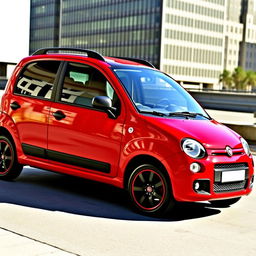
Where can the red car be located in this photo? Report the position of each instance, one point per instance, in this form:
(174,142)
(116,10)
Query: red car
(122,122)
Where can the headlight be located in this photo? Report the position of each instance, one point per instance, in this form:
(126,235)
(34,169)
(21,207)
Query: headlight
(245,146)
(193,148)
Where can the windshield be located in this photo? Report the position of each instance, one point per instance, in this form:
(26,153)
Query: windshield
(156,93)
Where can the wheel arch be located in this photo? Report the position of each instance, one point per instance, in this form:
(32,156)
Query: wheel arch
(5,132)
(143,159)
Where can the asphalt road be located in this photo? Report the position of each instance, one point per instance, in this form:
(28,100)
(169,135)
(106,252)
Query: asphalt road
(91,219)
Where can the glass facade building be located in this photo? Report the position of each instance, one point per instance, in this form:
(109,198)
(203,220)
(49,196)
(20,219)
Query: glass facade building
(191,40)
(130,28)
(44,24)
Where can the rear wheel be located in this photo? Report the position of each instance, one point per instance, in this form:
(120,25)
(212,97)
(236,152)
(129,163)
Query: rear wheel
(9,166)
(226,202)
(150,191)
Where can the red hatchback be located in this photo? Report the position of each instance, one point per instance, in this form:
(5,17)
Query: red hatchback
(123,122)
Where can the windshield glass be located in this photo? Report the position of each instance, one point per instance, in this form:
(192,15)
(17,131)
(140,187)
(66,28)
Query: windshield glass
(156,93)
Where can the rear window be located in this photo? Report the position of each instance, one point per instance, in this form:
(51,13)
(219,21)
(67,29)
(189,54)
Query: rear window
(37,79)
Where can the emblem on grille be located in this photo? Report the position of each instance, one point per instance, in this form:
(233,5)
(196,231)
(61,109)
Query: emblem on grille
(229,151)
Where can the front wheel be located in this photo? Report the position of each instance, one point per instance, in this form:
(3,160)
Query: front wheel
(9,166)
(150,191)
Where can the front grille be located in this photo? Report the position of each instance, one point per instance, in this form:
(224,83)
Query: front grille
(229,187)
(219,187)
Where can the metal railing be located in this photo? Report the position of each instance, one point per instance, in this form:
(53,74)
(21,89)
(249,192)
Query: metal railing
(226,100)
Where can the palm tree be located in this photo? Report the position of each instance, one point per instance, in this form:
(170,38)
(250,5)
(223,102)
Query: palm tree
(226,79)
(251,78)
(239,78)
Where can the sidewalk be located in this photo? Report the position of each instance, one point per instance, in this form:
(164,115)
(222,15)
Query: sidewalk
(13,244)
(253,149)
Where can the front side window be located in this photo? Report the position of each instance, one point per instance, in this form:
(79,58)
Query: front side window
(37,79)
(154,92)
(82,83)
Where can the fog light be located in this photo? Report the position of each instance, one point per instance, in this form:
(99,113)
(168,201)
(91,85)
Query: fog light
(196,186)
(202,186)
(195,167)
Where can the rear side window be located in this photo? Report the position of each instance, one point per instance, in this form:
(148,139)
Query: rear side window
(37,79)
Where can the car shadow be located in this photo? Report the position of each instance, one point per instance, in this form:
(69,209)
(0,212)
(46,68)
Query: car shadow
(52,191)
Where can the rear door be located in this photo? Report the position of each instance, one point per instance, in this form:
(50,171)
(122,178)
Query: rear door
(30,105)
(78,134)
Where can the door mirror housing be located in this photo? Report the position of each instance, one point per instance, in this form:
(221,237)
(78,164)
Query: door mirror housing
(102,102)
(105,103)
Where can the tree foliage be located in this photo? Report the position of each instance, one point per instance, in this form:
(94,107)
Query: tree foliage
(238,80)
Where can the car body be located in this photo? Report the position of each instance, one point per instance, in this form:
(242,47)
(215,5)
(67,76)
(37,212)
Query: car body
(121,122)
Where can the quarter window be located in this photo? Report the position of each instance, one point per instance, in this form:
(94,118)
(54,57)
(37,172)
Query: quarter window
(37,79)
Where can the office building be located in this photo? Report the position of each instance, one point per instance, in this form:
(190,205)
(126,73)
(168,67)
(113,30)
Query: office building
(44,24)
(112,27)
(191,40)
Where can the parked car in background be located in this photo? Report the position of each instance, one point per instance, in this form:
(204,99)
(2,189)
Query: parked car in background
(119,121)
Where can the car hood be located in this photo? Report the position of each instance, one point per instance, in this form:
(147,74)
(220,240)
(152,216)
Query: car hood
(210,133)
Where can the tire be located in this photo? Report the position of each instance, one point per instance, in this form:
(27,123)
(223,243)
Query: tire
(150,191)
(10,169)
(225,203)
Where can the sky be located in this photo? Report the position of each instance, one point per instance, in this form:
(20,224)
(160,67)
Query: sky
(14,30)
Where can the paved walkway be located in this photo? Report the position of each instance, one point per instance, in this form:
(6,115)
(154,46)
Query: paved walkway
(13,244)
(230,117)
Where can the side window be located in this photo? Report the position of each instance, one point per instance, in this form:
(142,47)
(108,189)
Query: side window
(82,83)
(37,79)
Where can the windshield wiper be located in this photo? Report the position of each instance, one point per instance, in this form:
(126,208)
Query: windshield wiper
(187,114)
(156,113)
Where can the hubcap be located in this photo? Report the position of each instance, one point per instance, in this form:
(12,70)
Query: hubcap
(6,158)
(148,189)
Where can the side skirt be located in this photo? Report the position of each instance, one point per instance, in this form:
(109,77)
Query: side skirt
(66,158)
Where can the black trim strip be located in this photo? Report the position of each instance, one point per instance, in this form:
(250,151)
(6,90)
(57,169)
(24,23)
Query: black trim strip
(66,158)
(33,150)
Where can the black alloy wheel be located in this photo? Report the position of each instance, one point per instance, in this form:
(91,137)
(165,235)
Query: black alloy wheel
(9,166)
(150,191)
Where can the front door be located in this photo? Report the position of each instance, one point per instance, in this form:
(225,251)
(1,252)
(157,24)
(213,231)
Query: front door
(78,134)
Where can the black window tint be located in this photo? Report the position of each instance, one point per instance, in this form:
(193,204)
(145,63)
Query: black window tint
(37,79)
(82,83)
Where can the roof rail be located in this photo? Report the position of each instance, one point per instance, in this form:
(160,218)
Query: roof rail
(90,53)
(144,62)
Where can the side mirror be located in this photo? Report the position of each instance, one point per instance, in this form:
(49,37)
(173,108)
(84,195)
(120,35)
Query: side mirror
(104,103)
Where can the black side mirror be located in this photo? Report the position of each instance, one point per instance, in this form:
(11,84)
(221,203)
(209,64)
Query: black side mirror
(104,103)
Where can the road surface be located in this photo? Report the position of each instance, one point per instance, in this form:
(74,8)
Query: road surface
(79,217)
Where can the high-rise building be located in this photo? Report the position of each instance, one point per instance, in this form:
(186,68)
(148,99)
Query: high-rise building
(233,34)
(191,40)
(44,24)
(129,28)
(247,58)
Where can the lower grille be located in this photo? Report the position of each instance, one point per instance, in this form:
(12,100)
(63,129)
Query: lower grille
(229,187)
(219,169)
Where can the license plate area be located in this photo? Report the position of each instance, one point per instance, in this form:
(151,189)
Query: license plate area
(232,176)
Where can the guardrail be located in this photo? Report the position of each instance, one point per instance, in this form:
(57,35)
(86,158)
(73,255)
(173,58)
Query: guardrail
(222,100)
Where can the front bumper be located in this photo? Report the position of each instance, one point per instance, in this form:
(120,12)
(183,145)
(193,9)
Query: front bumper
(209,183)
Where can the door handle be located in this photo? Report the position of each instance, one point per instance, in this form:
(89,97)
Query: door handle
(14,105)
(58,115)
